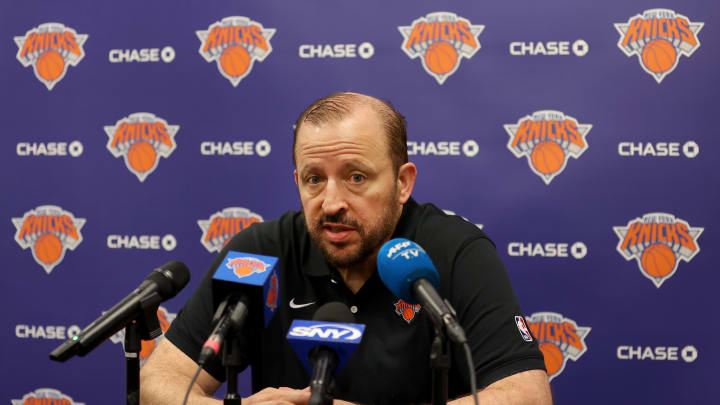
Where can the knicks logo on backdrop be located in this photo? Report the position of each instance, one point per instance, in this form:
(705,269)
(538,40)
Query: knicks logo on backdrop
(560,339)
(48,231)
(223,225)
(440,40)
(658,37)
(165,318)
(235,43)
(141,139)
(45,396)
(50,48)
(658,241)
(547,139)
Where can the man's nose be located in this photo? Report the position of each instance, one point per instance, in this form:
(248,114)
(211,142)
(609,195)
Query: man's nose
(334,201)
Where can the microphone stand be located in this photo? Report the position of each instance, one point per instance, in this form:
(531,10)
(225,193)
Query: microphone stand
(232,361)
(440,363)
(146,327)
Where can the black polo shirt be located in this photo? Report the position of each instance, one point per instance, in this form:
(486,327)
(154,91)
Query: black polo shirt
(392,363)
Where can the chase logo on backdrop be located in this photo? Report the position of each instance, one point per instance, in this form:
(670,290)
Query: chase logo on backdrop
(49,231)
(43,396)
(50,48)
(165,318)
(235,43)
(441,40)
(560,339)
(658,37)
(547,139)
(140,139)
(658,241)
(223,225)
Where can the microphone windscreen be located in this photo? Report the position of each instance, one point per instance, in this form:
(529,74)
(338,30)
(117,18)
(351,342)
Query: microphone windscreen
(334,312)
(170,278)
(400,263)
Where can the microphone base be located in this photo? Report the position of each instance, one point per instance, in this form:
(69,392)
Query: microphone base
(440,363)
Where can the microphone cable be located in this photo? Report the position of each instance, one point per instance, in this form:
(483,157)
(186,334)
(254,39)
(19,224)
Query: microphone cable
(192,382)
(471,369)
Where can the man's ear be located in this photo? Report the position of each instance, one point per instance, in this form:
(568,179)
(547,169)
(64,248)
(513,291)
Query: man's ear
(295,174)
(406,181)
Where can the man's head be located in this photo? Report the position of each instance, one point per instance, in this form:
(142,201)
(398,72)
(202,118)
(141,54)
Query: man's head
(352,173)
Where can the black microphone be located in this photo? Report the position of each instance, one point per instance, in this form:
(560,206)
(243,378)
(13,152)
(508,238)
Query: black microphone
(230,316)
(324,359)
(162,284)
(407,271)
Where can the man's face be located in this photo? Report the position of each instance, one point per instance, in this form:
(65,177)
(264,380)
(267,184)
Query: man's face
(348,189)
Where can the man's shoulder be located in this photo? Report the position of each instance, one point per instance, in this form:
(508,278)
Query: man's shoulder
(271,234)
(443,228)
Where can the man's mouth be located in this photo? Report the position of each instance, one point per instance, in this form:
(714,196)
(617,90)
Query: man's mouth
(337,233)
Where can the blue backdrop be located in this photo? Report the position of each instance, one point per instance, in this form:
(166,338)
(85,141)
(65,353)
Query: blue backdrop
(579,135)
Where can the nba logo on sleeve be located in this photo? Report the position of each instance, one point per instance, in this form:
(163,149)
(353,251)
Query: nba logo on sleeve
(522,327)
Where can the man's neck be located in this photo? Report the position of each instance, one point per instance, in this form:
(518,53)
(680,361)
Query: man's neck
(356,276)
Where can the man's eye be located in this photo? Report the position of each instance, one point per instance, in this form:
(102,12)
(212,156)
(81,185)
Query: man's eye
(357,178)
(313,180)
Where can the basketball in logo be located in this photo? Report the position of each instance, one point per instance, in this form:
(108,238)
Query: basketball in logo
(235,60)
(658,55)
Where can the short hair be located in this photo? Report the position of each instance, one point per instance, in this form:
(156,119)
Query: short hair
(337,106)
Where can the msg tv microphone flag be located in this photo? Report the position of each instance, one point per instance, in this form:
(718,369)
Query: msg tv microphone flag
(250,275)
(340,337)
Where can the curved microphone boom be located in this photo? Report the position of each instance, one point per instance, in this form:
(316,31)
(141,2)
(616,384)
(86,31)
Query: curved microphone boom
(162,284)
(407,271)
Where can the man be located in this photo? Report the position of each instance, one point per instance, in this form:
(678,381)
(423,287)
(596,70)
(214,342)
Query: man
(355,183)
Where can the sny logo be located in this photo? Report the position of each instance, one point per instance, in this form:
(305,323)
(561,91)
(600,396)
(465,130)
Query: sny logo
(223,225)
(165,317)
(45,396)
(406,311)
(140,138)
(440,40)
(658,37)
(49,230)
(245,266)
(658,241)
(559,338)
(235,43)
(50,48)
(548,139)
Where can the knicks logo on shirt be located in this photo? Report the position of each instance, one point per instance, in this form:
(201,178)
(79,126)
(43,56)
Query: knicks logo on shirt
(223,225)
(547,139)
(406,311)
(658,241)
(440,40)
(50,48)
(560,339)
(165,318)
(45,396)
(658,37)
(141,139)
(49,231)
(235,43)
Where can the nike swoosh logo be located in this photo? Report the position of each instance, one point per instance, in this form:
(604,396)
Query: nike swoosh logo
(296,306)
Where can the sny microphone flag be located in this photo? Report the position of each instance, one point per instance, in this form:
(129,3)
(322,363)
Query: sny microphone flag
(343,338)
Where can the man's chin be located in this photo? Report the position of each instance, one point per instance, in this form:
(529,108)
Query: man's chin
(340,255)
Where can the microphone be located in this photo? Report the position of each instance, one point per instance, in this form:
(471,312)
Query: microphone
(230,317)
(241,280)
(407,271)
(324,345)
(162,284)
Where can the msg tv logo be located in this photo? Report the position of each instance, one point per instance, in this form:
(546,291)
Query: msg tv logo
(560,339)
(50,48)
(49,231)
(658,37)
(440,40)
(223,225)
(658,241)
(547,139)
(235,43)
(140,139)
